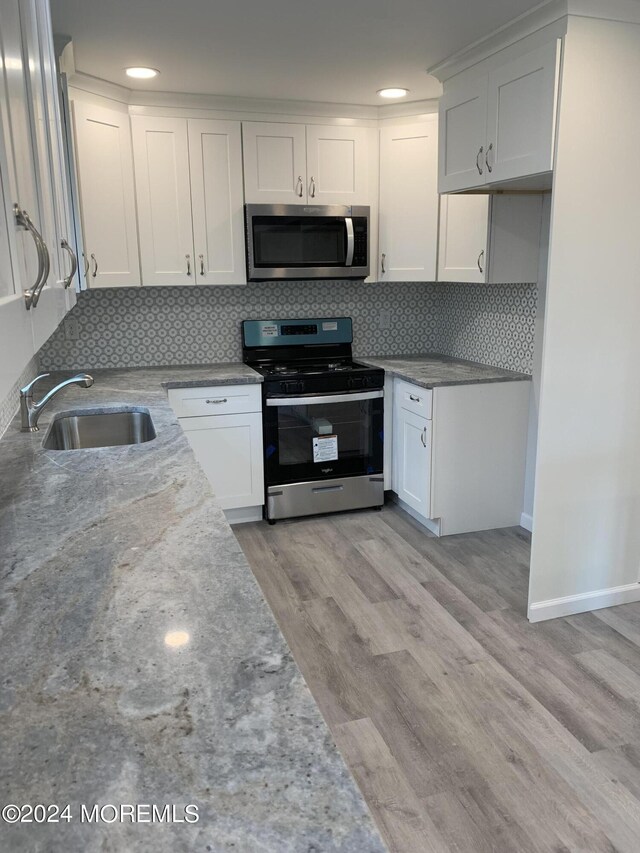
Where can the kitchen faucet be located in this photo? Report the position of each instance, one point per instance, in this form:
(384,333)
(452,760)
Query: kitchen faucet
(30,411)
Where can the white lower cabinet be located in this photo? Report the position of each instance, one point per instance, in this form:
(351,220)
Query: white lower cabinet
(459,454)
(228,445)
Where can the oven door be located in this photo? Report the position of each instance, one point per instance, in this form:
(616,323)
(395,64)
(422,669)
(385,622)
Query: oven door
(323,436)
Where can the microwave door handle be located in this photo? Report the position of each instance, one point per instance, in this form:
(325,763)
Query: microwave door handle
(313,400)
(350,241)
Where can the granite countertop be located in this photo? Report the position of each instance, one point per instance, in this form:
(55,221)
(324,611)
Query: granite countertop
(433,371)
(140,662)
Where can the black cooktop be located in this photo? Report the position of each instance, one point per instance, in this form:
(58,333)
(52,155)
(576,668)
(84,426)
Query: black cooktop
(293,368)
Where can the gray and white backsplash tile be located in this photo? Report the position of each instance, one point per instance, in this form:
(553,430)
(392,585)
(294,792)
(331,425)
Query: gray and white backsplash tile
(9,406)
(139,327)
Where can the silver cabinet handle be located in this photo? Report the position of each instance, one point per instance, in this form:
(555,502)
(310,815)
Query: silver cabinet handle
(312,187)
(383,258)
(415,399)
(299,186)
(486,159)
(481,258)
(24,221)
(479,160)
(86,265)
(188,260)
(220,400)
(74,263)
(348,261)
(201,257)
(423,437)
(94,271)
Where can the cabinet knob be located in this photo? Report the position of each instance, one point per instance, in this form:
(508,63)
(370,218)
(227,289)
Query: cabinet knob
(312,187)
(423,437)
(481,258)
(201,257)
(188,260)
(220,400)
(383,258)
(299,186)
(479,160)
(94,271)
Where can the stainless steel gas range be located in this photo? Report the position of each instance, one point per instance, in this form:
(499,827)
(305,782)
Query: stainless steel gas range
(323,416)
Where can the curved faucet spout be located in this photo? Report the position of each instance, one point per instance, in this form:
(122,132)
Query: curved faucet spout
(30,411)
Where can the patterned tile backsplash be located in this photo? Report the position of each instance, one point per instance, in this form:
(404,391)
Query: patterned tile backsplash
(137,327)
(9,406)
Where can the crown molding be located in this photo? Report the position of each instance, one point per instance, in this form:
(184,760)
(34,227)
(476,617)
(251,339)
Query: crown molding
(543,15)
(141,102)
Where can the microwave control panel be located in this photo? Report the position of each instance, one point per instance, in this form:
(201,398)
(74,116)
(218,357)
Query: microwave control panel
(360,248)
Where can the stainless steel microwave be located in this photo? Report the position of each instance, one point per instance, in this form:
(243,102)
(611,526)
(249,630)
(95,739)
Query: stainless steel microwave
(291,241)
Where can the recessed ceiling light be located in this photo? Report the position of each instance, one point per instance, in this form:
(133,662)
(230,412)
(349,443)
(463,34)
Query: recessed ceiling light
(393,93)
(141,73)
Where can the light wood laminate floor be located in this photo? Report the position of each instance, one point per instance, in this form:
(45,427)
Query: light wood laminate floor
(467,728)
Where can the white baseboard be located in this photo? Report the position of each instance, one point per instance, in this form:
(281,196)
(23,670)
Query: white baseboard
(243,514)
(526,521)
(595,600)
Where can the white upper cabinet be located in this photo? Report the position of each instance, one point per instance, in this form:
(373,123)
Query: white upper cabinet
(499,125)
(161,157)
(521,115)
(338,164)
(463,125)
(490,239)
(408,202)
(215,161)
(189,191)
(107,195)
(275,162)
(464,224)
(298,164)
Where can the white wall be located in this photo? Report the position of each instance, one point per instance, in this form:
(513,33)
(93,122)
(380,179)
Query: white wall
(587,501)
(536,370)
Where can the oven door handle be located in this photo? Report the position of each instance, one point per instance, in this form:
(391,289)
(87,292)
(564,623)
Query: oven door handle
(314,399)
(350,241)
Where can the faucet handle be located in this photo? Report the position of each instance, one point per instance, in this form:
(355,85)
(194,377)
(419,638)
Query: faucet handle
(27,391)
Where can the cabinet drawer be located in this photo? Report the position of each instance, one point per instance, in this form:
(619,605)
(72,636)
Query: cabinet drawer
(413,398)
(215,400)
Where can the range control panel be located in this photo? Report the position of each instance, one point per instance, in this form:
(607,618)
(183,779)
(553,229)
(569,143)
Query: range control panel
(278,333)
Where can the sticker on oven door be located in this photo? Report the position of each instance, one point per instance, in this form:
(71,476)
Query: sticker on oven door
(270,331)
(325,448)
(330,327)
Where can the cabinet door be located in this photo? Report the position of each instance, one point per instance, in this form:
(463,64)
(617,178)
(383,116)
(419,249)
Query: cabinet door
(338,164)
(107,196)
(462,132)
(215,162)
(514,241)
(163,187)
(521,115)
(464,223)
(20,184)
(408,202)
(229,450)
(275,169)
(412,462)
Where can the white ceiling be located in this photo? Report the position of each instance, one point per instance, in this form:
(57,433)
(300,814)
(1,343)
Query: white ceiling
(339,51)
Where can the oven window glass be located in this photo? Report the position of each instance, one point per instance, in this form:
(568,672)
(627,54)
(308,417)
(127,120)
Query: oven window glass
(325,433)
(299,241)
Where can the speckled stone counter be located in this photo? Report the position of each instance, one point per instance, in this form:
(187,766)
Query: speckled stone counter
(140,663)
(432,371)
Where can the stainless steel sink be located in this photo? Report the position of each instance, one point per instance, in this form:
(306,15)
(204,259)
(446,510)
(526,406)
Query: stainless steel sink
(110,428)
